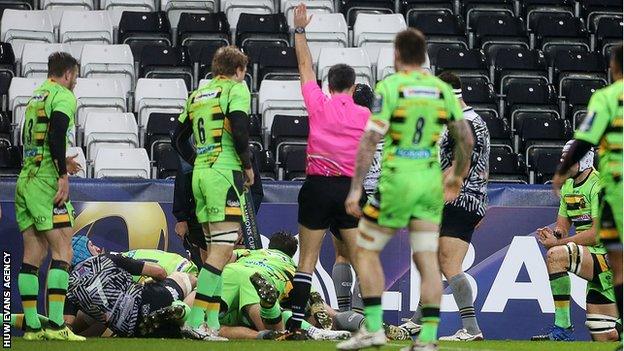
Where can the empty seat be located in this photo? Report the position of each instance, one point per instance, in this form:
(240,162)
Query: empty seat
(385,63)
(16,5)
(256,31)
(122,163)
(20,92)
(464,62)
(590,9)
(437,24)
(498,127)
(266,163)
(233,9)
(478,92)
(517,62)
(499,28)
(67,4)
(98,94)
(355,57)
(351,8)
(109,130)
(373,32)
(158,95)
(279,97)
(325,31)
(535,14)
(542,128)
(108,61)
(5,128)
(80,158)
(314,8)
(576,94)
(277,63)
(19,27)
(293,162)
(35,58)
(559,29)
(568,65)
(542,162)
(205,59)
(287,130)
(506,166)
(139,29)
(81,27)
(166,62)
(197,30)
(608,32)
(175,8)
(167,161)
(128,5)
(475,9)
(410,7)
(10,160)
(159,128)
(7,67)
(527,94)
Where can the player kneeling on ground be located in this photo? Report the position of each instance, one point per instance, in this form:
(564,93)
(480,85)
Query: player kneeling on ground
(581,254)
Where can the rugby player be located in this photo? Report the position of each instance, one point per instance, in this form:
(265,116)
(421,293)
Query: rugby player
(410,111)
(603,126)
(44,214)
(216,114)
(582,254)
(336,125)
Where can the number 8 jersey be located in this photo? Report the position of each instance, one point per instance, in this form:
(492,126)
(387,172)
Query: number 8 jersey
(206,108)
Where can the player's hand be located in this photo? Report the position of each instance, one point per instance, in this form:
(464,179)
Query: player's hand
(62,194)
(301,18)
(352,204)
(452,186)
(548,239)
(557,183)
(249,178)
(181,229)
(73,166)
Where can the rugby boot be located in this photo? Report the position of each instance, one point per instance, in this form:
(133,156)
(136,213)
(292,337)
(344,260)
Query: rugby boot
(317,309)
(556,334)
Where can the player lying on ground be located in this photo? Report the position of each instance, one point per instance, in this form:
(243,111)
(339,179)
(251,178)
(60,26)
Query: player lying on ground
(582,254)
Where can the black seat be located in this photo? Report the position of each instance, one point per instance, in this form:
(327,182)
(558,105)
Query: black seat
(463,62)
(294,161)
(256,31)
(567,65)
(166,62)
(506,166)
(559,29)
(10,160)
(542,128)
(166,160)
(205,59)
(536,15)
(592,9)
(535,8)
(266,163)
(498,127)
(288,130)
(198,29)
(159,127)
(577,92)
(527,94)
(434,23)
(7,67)
(478,93)
(277,63)
(542,162)
(473,9)
(498,28)
(5,128)
(139,29)
(517,62)
(410,7)
(608,32)
(351,8)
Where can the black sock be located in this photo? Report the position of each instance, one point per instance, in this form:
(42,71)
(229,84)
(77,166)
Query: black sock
(300,296)
(618,298)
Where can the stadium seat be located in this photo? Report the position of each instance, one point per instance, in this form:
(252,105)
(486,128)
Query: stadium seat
(257,31)
(166,160)
(373,32)
(462,62)
(10,160)
(578,118)
(80,158)
(478,93)
(16,5)
(314,7)
(109,130)
(292,162)
(608,32)
(205,59)
(20,26)
(121,163)
(475,9)
(326,31)
(34,61)
(276,63)
(517,62)
(233,9)
(7,69)
(81,27)
(498,29)
(158,130)
(575,93)
(542,162)
(266,164)
(288,130)
(20,92)
(5,129)
(175,9)
(506,166)
(411,7)
(98,94)
(128,5)
(591,10)
(351,8)
(438,26)
(578,65)
(139,29)
(558,29)
(67,4)
(166,62)
(355,57)
(385,63)
(498,127)
(279,97)
(108,61)
(158,95)
(539,128)
(535,9)
(198,30)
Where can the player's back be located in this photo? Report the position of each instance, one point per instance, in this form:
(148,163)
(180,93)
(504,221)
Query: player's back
(274,265)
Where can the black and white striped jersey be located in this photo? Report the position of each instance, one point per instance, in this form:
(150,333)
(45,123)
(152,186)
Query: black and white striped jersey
(374,172)
(102,287)
(473,194)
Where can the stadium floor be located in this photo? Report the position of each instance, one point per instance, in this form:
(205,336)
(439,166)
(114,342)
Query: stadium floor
(168,345)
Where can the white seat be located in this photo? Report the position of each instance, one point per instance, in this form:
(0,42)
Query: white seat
(158,95)
(35,58)
(82,161)
(385,63)
(314,7)
(174,8)
(128,5)
(84,27)
(234,8)
(108,61)
(98,94)
(280,97)
(372,31)
(19,27)
(67,4)
(326,31)
(20,92)
(354,57)
(110,130)
(121,163)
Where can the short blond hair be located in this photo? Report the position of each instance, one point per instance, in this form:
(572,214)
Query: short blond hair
(227,60)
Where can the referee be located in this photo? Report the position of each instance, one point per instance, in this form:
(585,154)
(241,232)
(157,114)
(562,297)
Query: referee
(336,126)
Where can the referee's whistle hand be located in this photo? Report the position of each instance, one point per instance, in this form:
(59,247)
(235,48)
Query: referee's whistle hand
(352,204)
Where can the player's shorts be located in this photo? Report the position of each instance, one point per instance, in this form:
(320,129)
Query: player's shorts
(34,205)
(218,195)
(600,289)
(157,295)
(610,232)
(402,197)
(237,292)
(322,203)
(458,223)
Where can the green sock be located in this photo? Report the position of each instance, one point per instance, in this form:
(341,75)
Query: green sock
(212,314)
(560,288)
(187,309)
(373,313)
(17,321)
(207,282)
(430,320)
(58,280)
(286,316)
(28,285)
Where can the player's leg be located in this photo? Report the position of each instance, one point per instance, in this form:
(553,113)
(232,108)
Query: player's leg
(350,240)
(341,275)
(35,250)
(611,236)
(602,317)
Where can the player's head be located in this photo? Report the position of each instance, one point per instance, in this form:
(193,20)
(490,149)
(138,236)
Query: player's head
(616,62)
(83,249)
(284,242)
(454,81)
(587,162)
(63,69)
(410,49)
(229,61)
(341,79)
(363,95)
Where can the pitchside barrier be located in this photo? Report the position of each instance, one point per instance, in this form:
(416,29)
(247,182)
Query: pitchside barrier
(505,264)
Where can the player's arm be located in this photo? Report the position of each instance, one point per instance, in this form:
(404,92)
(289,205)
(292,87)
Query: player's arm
(460,132)
(180,139)
(154,270)
(304,57)
(586,237)
(238,108)
(562,227)
(137,268)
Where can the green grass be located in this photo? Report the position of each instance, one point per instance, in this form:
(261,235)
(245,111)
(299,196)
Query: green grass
(189,345)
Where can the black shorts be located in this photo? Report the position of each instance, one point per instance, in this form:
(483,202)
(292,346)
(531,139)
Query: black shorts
(458,223)
(321,203)
(158,295)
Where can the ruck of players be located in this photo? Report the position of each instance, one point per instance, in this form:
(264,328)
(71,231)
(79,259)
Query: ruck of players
(409,155)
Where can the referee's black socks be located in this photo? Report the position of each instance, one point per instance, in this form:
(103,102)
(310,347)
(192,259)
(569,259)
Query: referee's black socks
(302,283)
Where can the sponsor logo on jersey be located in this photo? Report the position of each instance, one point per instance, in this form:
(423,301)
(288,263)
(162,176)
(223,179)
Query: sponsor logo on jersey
(233,203)
(413,154)
(582,218)
(211,94)
(205,149)
(421,92)
(59,211)
(31,152)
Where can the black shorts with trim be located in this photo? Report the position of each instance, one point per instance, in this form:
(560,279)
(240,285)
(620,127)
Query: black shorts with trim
(458,223)
(322,203)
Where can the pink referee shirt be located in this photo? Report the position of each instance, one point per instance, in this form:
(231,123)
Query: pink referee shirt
(336,126)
